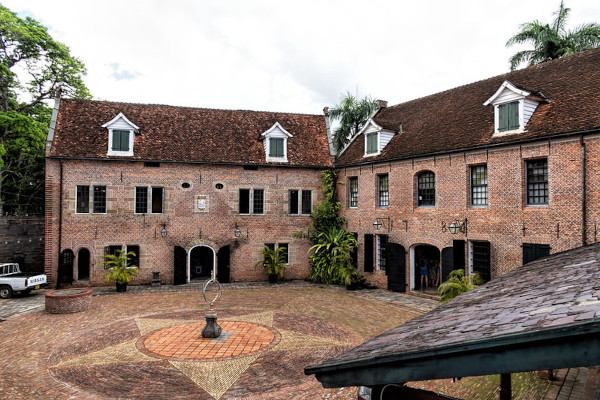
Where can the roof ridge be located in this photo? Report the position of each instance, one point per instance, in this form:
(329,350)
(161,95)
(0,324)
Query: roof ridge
(188,107)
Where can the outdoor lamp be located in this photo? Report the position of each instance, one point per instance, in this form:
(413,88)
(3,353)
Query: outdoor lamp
(163,231)
(377,224)
(453,228)
(237,231)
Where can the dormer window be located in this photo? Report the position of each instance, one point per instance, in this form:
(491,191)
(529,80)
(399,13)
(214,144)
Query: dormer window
(376,138)
(276,146)
(121,133)
(508,116)
(372,141)
(275,143)
(513,107)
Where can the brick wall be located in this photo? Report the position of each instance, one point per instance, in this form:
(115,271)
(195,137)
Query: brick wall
(22,241)
(186,224)
(506,222)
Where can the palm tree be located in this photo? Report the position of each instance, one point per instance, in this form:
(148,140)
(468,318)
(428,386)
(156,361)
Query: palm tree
(353,114)
(553,41)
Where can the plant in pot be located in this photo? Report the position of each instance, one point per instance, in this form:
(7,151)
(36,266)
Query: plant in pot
(119,269)
(274,262)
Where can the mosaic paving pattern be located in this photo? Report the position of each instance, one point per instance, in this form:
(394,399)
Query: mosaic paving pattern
(167,357)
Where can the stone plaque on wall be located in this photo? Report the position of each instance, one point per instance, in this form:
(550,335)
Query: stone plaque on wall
(201,203)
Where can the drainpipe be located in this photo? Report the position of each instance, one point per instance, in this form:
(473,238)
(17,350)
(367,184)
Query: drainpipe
(60,217)
(583,195)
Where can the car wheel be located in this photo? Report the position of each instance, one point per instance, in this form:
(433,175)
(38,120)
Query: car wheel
(5,292)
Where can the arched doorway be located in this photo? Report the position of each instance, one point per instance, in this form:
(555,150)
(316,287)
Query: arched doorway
(201,262)
(426,258)
(83,265)
(65,267)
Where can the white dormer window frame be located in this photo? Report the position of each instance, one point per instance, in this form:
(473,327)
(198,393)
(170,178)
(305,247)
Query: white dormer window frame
(377,151)
(120,124)
(276,132)
(506,94)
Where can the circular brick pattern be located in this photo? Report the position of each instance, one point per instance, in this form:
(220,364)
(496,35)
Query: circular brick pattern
(185,341)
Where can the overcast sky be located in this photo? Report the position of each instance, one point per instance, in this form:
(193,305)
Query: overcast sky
(287,56)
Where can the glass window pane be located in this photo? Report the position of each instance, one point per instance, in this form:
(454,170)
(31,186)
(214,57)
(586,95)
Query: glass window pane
(426,189)
(353,195)
(479,185)
(372,143)
(141,200)
(537,181)
(99,205)
(306,201)
(258,203)
(383,198)
(83,199)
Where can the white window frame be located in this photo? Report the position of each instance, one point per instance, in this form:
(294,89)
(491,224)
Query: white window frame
(120,123)
(276,132)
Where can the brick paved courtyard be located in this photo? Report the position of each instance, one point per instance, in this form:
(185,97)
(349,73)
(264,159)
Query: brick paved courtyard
(146,344)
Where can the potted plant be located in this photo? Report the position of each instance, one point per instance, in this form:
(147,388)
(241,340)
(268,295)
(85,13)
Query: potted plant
(274,263)
(119,269)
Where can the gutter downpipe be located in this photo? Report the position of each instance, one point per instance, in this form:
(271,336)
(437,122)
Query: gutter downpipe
(583,194)
(60,217)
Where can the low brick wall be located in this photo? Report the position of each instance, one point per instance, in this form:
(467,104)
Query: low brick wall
(67,301)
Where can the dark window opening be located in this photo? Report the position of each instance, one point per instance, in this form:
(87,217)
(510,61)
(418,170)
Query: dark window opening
(99,199)
(157,200)
(151,164)
(479,195)
(141,200)
(83,199)
(134,259)
(250,168)
(219,186)
(285,254)
(353,191)
(426,189)
(244,206)
(306,202)
(533,251)
(537,182)
(293,203)
(258,203)
(185,185)
(481,259)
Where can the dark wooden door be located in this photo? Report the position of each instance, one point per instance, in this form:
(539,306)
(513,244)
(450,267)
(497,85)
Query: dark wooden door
(83,265)
(223,264)
(65,267)
(396,267)
(368,250)
(459,254)
(179,266)
(447,262)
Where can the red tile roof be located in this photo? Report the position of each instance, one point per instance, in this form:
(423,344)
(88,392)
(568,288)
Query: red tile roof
(169,133)
(457,119)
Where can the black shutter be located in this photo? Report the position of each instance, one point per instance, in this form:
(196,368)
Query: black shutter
(368,253)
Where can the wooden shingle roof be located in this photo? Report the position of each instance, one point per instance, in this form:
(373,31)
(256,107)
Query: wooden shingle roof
(169,133)
(456,119)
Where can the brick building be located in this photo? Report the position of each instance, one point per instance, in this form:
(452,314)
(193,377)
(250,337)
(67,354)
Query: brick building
(486,176)
(186,189)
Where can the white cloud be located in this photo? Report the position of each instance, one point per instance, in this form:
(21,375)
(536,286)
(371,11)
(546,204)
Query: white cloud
(284,56)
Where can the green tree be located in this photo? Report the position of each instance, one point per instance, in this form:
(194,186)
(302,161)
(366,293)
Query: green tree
(552,41)
(32,67)
(458,283)
(352,114)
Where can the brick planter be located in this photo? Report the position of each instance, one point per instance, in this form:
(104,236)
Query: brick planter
(65,301)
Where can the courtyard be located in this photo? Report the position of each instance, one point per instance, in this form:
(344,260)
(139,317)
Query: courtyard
(146,344)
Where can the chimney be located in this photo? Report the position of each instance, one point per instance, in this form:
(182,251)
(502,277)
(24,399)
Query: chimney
(381,104)
(326,111)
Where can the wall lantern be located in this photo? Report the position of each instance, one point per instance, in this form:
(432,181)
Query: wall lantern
(163,231)
(237,231)
(455,227)
(381,222)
